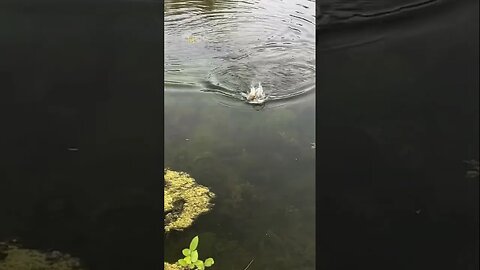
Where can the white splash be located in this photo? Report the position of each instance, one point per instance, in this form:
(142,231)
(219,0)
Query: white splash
(256,95)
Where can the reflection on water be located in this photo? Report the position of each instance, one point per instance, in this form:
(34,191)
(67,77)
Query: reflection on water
(225,46)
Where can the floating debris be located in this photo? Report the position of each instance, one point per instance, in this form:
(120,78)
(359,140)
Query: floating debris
(192,39)
(248,265)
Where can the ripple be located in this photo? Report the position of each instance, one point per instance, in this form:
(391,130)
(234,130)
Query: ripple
(224,47)
(284,78)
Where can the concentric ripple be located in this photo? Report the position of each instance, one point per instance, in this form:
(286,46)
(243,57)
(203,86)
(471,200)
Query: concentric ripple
(225,46)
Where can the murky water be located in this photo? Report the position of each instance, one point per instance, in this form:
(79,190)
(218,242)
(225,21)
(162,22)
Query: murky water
(258,160)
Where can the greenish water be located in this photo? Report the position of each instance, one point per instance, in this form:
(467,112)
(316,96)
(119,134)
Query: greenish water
(261,166)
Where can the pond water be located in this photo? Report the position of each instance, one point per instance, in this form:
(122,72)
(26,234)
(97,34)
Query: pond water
(396,127)
(225,46)
(397,123)
(258,160)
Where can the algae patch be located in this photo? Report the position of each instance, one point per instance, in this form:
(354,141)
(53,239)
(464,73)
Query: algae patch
(168,266)
(13,257)
(184,200)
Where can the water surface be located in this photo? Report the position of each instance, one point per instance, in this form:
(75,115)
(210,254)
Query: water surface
(225,46)
(397,116)
(259,161)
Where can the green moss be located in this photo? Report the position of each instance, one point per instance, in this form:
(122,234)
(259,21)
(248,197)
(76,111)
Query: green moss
(184,200)
(16,258)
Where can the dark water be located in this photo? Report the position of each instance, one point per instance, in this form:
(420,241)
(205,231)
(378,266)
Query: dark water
(397,114)
(342,12)
(81,134)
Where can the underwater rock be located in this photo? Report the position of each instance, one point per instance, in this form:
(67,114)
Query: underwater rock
(13,257)
(184,200)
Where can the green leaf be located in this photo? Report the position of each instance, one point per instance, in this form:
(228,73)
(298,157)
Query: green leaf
(209,262)
(191,266)
(182,262)
(200,265)
(186,252)
(194,243)
(194,256)
(188,260)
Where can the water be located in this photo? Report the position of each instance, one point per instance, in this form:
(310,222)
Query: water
(261,168)
(340,12)
(225,46)
(81,135)
(258,160)
(397,115)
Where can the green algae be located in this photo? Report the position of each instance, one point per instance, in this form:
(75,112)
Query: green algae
(184,200)
(168,266)
(17,258)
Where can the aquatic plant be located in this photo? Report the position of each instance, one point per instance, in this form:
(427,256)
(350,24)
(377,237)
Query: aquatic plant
(14,257)
(169,266)
(184,200)
(191,260)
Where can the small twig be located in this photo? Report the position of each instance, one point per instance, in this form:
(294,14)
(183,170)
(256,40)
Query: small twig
(249,264)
